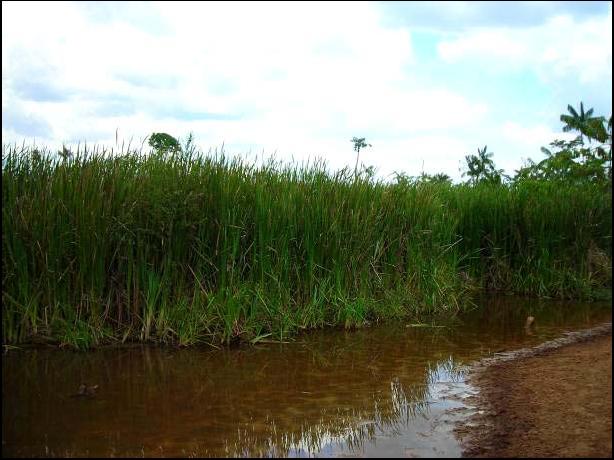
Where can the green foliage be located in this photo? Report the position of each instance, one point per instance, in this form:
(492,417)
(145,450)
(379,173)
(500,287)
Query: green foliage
(534,236)
(65,153)
(585,123)
(191,249)
(189,148)
(570,162)
(359,143)
(439,178)
(211,250)
(164,143)
(481,168)
(574,161)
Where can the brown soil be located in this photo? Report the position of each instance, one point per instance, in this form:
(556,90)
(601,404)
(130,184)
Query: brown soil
(557,403)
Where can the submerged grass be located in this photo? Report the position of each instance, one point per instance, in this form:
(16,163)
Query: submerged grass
(192,249)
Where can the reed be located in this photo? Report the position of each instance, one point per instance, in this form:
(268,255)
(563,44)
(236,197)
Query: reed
(193,248)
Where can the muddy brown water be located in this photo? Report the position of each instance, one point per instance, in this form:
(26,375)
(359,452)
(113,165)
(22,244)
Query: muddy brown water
(385,391)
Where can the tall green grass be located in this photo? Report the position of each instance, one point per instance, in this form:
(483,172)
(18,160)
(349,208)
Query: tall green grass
(205,249)
(537,238)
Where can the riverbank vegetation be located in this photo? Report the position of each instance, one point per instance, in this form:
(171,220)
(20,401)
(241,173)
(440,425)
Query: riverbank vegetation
(180,247)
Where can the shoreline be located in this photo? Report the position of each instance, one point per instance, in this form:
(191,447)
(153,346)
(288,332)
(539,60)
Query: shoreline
(551,400)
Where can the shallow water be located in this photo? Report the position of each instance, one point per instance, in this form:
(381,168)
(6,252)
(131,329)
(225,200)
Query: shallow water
(389,390)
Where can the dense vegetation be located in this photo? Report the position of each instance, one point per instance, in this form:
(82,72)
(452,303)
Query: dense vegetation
(180,247)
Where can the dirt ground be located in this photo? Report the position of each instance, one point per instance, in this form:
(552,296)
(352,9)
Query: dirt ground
(555,404)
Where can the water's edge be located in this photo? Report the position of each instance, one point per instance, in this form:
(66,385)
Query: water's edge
(568,338)
(469,425)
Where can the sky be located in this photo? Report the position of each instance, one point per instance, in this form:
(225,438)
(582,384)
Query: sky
(426,83)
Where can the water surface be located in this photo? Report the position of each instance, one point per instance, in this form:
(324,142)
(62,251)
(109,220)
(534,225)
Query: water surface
(389,390)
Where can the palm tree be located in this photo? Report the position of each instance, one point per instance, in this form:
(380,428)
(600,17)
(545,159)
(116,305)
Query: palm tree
(594,128)
(359,143)
(584,122)
(482,167)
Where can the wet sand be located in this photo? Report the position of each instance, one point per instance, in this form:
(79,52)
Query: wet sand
(552,401)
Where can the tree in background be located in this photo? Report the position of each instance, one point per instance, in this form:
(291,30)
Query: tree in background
(164,143)
(439,178)
(359,143)
(575,161)
(481,168)
(577,121)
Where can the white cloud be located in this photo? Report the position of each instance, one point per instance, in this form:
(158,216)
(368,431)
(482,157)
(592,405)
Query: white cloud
(298,78)
(430,154)
(531,135)
(560,47)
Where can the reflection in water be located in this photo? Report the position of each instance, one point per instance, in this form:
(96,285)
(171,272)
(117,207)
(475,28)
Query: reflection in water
(370,392)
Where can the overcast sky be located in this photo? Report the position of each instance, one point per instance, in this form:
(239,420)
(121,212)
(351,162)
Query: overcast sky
(426,83)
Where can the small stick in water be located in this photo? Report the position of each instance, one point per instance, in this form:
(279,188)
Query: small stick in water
(528,325)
